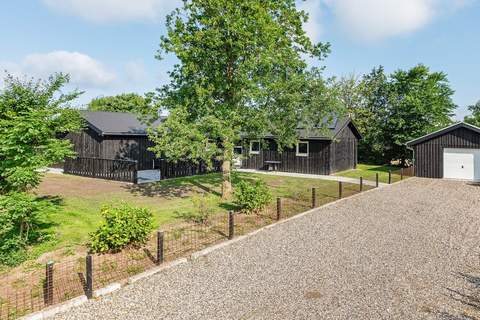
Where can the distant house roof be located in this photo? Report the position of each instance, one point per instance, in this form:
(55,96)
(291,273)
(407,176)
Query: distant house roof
(443,131)
(116,123)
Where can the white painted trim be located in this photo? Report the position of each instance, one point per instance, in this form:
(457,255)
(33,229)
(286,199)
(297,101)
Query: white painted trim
(259,147)
(298,154)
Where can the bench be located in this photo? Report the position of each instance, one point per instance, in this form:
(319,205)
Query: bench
(272,165)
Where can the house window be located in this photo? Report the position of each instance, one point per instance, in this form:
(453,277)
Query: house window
(302,149)
(254,147)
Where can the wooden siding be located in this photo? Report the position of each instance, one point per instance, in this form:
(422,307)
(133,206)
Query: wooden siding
(343,151)
(429,154)
(317,161)
(88,144)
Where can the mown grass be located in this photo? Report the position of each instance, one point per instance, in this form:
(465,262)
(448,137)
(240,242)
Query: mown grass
(368,172)
(81,199)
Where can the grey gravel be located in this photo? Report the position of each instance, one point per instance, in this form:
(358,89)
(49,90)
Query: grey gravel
(408,251)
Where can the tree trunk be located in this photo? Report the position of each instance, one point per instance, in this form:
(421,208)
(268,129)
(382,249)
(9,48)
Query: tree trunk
(226,180)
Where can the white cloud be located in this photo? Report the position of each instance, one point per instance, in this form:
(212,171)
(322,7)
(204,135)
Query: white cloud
(135,72)
(114,10)
(314,25)
(84,71)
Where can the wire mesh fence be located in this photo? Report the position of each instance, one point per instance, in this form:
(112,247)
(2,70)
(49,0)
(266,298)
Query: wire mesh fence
(26,292)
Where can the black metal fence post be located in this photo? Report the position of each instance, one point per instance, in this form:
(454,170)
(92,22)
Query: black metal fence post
(48,299)
(160,248)
(231,225)
(361,184)
(279,208)
(376,180)
(340,189)
(314,197)
(89,276)
(401,174)
(389,176)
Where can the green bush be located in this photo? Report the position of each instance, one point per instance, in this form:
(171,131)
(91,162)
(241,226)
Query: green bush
(22,217)
(124,226)
(203,209)
(252,197)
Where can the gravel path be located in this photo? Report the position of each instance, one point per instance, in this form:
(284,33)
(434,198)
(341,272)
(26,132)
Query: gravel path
(409,251)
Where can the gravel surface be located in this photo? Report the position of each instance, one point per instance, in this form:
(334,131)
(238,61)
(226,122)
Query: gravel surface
(408,251)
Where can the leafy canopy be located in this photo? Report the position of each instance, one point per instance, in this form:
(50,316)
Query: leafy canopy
(33,115)
(391,110)
(241,73)
(126,102)
(474,118)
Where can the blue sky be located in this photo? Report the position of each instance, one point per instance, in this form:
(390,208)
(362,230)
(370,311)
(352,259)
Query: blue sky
(108,46)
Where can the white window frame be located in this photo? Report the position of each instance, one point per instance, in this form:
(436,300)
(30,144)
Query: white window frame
(298,154)
(259,147)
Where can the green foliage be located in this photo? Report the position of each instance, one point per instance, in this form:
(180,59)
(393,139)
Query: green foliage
(474,118)
(21,219)
(203,208)
(241,72)
(126,102)
(33,115)
(124,225)
(252,196)
(391,110)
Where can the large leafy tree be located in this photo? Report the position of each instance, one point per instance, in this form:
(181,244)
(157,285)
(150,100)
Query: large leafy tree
(126,102)
(240,74)
(33,116)
(474,118)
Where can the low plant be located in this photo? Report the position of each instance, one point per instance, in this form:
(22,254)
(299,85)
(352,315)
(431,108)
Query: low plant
(124,226)
(22,218)
(203,209)
(252,196)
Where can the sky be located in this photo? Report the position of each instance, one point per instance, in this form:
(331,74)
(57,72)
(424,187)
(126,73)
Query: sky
(109,46)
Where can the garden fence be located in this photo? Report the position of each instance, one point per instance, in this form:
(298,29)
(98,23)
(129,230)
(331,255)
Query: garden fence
(24,291)
(109,169)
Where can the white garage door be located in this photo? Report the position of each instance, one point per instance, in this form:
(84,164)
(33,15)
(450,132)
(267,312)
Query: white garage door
(461,164)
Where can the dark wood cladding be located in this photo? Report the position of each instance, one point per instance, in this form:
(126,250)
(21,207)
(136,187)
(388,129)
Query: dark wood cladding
(315,163)
(429,154)
(343,151)
(119,170)
(88,144)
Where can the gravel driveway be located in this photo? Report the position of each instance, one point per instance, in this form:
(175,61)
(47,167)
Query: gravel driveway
(408,251)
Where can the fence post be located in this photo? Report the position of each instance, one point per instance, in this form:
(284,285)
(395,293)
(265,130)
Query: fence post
(160,238)
(314,197)
(135,173)
(389,176)
(49,283)
(376,180)
(361,184)
(340,187)
(89,276)
(279,208)
(401,174)
(231,225)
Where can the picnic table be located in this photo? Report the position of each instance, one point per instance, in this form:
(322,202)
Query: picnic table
(272,165)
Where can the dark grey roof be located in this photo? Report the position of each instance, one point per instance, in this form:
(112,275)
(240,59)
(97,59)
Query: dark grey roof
(116,123)
(443,131)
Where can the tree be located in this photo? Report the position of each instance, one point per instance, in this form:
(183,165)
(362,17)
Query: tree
(33,115)
(240,75)
(474,118)
(420,103)
(126,102)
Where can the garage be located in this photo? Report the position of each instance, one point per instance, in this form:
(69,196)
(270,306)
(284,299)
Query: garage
(449,153)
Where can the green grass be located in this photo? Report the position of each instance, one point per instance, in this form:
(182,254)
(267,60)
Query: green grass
(80,200)
(368,172)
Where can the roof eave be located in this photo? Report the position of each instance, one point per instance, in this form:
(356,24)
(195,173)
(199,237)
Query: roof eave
(434,134)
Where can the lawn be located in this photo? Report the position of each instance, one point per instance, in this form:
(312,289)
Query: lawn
(368,172)
(82,198)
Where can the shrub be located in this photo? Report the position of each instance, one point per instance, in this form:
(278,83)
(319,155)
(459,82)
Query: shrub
(252,197)
(203,209)
(124,226)
(22,217)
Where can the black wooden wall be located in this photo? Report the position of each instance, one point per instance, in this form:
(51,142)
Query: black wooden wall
(89,144)
(343,151)
(429,154)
